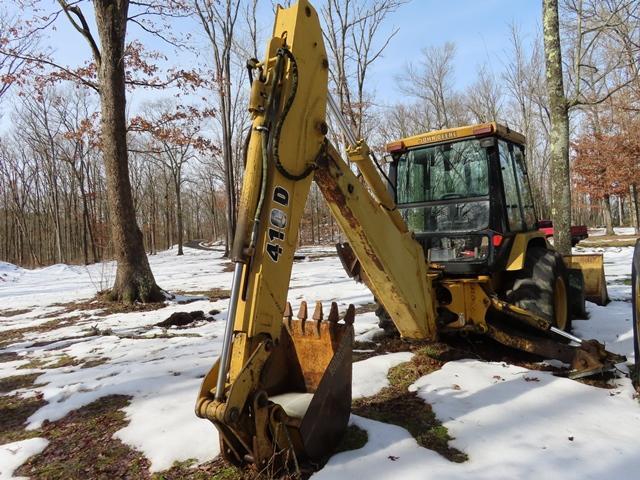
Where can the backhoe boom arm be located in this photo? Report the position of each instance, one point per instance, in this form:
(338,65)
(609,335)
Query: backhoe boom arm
(393,261)
(266,362)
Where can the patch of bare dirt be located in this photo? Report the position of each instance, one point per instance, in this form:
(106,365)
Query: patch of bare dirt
(14,412)
(366,308)
(183,319)
(397,406)
(213,294)
(8,384)
(7,337)
(12,313)
(9,357)
(609,241)
(105,307)
(81,446)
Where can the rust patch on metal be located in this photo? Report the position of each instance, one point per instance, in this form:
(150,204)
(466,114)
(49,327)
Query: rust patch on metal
(333,194)
(589,358)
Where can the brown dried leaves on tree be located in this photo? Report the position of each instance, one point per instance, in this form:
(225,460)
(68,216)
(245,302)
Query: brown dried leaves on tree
(107,74)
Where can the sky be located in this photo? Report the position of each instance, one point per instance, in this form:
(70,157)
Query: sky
(480,30)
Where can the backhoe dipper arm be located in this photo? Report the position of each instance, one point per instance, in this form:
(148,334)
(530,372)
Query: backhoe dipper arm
(287,104)
(260,358)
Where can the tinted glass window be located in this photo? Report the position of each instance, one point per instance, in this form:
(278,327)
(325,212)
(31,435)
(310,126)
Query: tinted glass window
(442,172)
(525,189)
(512,201)
(448,217)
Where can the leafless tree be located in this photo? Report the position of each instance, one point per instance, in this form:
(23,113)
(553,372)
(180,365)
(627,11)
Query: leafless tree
(218,20)
(11,65)
(528,110)
(484,97)
(591,71)
(431,81)
(355,41)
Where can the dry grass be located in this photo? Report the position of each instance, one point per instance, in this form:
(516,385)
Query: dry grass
(397,406)
(8,384)
(101,306)
(12,313)
(213,294)
(7,337)
(14,412)
(81,446)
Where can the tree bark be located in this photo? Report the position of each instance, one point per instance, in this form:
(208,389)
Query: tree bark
(608,215)
(225,112)
(559,135)
(620,211)
(179,222)
(134,279)
(635,214)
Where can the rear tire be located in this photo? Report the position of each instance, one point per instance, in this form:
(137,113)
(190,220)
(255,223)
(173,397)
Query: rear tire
(541,287)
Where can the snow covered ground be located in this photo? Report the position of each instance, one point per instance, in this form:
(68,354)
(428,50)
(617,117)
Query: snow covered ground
(512,423)
(597,232)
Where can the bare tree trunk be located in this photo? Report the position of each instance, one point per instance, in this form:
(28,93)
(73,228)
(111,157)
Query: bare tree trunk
(620,211)
(608,216)
(134,279)
(152,242)
(85,242)
(179,223)
(228,167)
(635,213)
(559,141)
(218,20)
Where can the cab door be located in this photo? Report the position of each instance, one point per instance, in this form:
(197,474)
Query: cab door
(518,200)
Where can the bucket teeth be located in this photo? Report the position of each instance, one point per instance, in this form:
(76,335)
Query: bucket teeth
(288,311)
(288,315)
(317,312)
(334,316)
(350,315)
(302,312)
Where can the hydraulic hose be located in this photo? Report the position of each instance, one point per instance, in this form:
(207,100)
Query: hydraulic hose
(285,111)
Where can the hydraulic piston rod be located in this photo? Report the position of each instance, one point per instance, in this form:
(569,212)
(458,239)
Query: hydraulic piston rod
(337,115)
(359,153)
(566,335)
(228,331)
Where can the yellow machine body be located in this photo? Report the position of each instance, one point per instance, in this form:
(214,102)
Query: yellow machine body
(455,134)
(280,393)
(286,390)
(592,268)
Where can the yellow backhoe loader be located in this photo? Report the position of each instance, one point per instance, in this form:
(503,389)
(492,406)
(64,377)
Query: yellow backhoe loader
(449,245)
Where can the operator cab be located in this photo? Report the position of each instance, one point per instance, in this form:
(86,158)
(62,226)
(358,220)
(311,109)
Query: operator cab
(465,193)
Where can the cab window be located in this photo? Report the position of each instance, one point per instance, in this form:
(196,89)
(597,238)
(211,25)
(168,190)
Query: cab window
(511,197)
(524,186)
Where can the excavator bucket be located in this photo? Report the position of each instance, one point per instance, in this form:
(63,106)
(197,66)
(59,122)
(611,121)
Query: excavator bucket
(309,376)
(591,268)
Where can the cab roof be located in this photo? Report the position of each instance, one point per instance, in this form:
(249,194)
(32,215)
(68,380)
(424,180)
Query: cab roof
(453,134)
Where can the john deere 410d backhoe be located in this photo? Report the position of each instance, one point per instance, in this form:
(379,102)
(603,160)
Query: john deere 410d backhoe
(450,245)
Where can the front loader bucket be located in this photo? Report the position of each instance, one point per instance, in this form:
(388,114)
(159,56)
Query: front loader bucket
(310,381)
(592,268)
